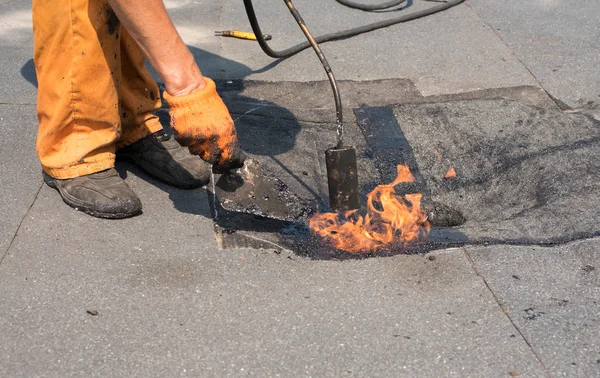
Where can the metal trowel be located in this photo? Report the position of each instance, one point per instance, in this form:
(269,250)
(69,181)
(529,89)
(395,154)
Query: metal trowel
(252,189)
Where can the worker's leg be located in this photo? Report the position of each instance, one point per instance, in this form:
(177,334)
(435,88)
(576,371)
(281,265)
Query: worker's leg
(76,54)
(158,155)
(139,94)
(76,51)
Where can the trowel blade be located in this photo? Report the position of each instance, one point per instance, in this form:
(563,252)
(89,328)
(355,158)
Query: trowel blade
(253,190)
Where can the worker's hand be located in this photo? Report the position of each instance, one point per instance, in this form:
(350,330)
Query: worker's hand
(202,123)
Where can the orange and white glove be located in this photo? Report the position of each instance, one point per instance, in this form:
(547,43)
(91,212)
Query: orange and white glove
(202,123)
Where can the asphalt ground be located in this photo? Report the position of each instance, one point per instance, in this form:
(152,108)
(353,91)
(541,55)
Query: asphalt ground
(158,295)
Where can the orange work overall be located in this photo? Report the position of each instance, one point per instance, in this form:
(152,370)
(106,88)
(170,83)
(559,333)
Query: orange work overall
(94,93)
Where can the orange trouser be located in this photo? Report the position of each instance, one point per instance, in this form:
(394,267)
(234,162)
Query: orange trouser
(94,93)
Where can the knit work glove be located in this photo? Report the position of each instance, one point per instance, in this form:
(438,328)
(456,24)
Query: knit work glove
(202,123)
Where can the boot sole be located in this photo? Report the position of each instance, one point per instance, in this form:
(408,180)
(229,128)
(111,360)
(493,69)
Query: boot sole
(159,174)
(80,206)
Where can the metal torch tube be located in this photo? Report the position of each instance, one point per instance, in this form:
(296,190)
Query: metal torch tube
(321,56)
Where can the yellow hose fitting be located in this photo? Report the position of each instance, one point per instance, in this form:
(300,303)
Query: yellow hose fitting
(241,35)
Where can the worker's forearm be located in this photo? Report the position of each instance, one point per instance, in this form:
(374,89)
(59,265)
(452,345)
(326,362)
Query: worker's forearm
(151,27)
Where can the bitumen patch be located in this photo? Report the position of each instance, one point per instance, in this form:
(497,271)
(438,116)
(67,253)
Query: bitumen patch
(552,295)
(522,171)
(523,174)
(294,152)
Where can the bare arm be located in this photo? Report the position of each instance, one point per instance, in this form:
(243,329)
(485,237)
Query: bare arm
(198,115)
(151,27)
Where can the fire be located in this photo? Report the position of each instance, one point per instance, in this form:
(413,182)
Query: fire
(390,220)
(450,174)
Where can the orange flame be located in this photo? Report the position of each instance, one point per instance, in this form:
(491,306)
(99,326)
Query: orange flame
(450,174)
(389,220)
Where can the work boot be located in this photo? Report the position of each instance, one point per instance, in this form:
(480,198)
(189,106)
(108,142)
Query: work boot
(103,194)
(165,159)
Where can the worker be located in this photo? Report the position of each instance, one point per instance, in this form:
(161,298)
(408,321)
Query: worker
(96,102)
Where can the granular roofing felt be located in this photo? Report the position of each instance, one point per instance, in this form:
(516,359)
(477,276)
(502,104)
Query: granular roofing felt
(524,175)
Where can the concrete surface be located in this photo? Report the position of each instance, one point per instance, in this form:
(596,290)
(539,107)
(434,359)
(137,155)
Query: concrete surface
(21,179)
(418,50)
(155,296)
(552,296)
(16,41)
(169,304)
(556,41)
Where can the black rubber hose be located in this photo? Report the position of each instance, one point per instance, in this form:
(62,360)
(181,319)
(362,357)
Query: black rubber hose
(338,35)
(336,93)
(369,7)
